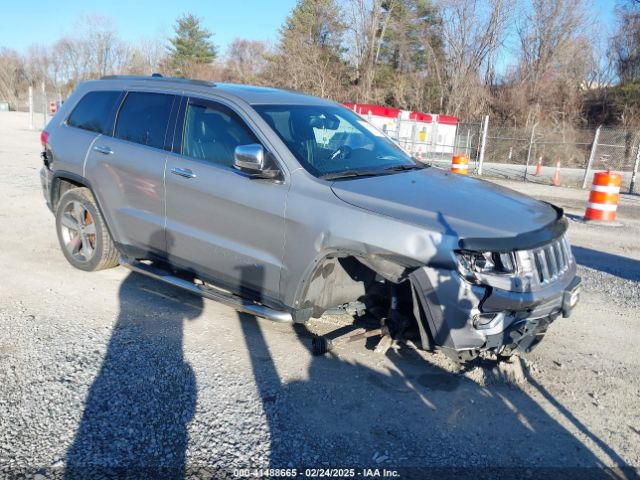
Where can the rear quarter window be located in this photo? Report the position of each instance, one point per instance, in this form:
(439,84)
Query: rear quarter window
(95,112)
(144,118)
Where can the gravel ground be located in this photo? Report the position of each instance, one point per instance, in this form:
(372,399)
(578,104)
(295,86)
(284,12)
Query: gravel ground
(101,372)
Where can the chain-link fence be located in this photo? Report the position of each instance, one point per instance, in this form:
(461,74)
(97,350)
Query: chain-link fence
(37,101)
(534,154)
(469,139)
(616,148)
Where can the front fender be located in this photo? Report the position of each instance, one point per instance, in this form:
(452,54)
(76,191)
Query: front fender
(318,226)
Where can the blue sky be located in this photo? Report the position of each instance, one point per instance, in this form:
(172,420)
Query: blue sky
(603,10)
(44,22)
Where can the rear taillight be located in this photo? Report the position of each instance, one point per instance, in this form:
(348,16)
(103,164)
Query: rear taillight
(44,136)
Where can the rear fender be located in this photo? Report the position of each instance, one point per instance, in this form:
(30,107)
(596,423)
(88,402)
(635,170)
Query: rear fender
(60,179)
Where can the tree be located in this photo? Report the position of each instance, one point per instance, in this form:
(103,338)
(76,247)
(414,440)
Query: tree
(395,49)
(148,56)
(246,60)
(408,64)
(309,52)
(554,58)
(625,43)
(68,62)
(473,33)
(368,21)
(104,53)
(191,45)
(12,74)
(95,51)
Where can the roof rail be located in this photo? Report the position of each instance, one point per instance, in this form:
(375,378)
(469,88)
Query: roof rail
(158,78)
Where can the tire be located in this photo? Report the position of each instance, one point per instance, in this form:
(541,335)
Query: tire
(82,233)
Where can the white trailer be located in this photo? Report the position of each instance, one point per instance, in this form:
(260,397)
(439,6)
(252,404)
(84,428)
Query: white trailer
(420,134)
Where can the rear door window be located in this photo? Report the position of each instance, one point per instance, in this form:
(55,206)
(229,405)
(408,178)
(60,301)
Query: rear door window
(144,118)
(95,112)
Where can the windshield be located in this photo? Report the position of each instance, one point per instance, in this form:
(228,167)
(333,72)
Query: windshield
(331,142)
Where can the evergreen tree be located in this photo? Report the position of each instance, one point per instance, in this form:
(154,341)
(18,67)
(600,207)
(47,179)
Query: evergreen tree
(316,23)
(191,45)
(411,22)
(410,53)
(309,57)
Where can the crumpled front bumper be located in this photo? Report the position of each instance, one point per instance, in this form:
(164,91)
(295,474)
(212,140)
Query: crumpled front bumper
(464,317)
(524,332)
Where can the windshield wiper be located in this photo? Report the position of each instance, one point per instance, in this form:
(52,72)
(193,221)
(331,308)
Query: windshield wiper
(353,173)
(401,168)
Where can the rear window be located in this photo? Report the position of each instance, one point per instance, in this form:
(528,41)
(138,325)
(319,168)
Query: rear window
(95,112)
(144,118)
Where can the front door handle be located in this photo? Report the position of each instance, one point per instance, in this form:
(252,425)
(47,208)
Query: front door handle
(183,172)
(104,150)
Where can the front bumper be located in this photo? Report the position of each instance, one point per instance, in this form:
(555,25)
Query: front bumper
(463,317)
(523,334)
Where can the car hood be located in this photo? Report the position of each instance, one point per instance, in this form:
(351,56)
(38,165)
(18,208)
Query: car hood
(450,204)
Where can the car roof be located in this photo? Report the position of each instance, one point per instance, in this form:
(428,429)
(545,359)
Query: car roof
(251,94)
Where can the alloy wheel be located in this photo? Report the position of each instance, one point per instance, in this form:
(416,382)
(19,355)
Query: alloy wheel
(78,231)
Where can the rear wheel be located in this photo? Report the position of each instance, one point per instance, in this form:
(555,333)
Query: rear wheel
(82,233)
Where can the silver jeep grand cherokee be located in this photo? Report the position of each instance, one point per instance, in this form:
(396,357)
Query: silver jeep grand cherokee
(286,206)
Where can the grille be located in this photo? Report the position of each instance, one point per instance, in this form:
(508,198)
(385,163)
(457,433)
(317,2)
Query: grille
(552,260)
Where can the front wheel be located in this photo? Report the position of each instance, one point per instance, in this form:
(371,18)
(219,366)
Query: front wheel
(82,233)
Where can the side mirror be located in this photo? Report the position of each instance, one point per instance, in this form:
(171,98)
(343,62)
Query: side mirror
(249,158)
(252,160)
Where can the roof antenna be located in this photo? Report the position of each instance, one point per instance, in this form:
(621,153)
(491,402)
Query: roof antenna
(156,75)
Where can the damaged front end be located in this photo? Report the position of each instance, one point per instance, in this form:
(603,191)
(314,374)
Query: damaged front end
(503,295)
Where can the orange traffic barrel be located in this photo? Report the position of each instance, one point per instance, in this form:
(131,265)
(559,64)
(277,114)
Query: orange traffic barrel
(460,164)
(604,195)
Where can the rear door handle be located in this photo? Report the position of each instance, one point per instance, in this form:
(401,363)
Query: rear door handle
(183,172)
(104,150)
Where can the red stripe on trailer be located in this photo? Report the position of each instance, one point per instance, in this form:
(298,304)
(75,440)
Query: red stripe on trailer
(446,120)
(377,110)
(420,117)
(380,111)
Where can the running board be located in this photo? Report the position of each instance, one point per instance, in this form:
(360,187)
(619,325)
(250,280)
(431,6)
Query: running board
(229,299)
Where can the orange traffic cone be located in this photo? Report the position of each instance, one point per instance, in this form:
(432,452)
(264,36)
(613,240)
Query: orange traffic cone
(538,167)
(556,176)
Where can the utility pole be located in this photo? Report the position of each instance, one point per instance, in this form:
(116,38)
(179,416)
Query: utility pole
(531,140)
(468,144)
(414,139)
(31,107)
(591,156)
(632,185)
(483,144)
(44,106)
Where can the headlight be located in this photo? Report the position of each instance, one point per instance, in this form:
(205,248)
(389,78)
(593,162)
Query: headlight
(487,263)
